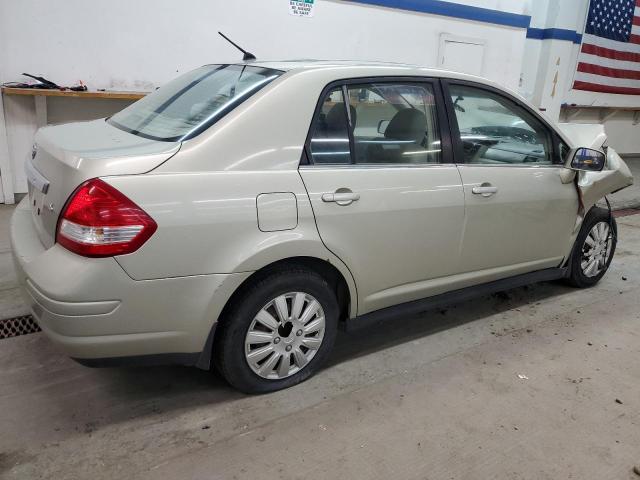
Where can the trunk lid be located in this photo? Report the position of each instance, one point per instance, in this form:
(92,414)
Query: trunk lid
(67,155)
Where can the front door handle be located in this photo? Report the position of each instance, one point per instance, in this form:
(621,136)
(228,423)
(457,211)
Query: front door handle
(485,190)
(341,198)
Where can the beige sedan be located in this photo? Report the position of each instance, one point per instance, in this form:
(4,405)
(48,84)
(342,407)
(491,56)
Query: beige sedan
(240,214)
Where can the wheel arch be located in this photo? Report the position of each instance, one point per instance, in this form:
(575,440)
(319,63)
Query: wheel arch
(338,277)
(345,293)
(593,211)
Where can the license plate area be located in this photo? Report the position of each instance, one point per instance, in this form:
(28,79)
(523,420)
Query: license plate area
(38,187)
(36,199)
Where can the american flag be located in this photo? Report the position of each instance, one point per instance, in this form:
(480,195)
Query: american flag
(609,59)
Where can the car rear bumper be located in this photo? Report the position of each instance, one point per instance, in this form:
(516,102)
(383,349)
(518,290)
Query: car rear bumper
(97,314)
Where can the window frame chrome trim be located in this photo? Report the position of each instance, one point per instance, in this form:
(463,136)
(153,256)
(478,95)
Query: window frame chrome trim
(510,165)
(379,166)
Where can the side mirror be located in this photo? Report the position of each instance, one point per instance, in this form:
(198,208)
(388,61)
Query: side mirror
(382,126)
(588,160)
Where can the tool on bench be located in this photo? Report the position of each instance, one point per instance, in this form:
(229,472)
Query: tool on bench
(43,83)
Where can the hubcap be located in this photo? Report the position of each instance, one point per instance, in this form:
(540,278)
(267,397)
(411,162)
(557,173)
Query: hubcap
(596,250)
(285,335)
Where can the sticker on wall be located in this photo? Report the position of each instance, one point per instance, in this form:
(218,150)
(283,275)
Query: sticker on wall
(301,8)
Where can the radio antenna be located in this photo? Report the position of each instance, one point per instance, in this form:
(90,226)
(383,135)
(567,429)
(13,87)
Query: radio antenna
(247,55)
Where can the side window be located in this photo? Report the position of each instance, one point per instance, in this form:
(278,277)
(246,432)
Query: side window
(394,123)
(330,138)
(495,130)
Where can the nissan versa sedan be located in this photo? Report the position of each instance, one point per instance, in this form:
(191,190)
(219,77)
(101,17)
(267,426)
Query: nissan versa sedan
(240,214)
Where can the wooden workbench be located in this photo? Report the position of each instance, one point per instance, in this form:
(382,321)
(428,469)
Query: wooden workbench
(38,92)
(40,97)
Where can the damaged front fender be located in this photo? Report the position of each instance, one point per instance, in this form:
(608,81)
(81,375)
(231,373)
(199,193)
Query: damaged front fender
(593,186)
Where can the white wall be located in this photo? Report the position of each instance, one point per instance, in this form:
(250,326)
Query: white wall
(622,134)
(139,45)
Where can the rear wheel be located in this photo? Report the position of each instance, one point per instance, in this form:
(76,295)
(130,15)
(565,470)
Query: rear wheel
(278,332)
(594,249)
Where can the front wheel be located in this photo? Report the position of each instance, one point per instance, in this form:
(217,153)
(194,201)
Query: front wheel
(278,332)
(594,248)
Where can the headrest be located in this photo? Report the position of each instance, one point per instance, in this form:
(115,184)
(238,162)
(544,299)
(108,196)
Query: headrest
(336,119)
(407,124)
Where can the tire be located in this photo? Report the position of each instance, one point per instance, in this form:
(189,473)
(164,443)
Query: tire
(253,367)
(582,276)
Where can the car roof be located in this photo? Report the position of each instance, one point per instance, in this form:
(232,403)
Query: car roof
(373,69)
(316,63)
(378,68)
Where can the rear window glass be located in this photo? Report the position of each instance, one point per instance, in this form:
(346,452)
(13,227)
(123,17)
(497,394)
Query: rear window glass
(193,102)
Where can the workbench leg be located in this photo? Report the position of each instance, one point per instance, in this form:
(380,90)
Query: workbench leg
(41,110)
(6,174)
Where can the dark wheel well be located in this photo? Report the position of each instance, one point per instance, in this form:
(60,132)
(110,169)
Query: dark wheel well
(330,273)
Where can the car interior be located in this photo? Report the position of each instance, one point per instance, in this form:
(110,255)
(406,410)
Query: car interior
(495,132)
(392,124)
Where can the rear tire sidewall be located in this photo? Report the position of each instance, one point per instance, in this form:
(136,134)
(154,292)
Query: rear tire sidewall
(229,346)
(577,277)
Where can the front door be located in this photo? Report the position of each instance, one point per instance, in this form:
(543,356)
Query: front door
(519,213)
(387,199)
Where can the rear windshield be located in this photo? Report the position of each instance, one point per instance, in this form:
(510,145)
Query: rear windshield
(193,102)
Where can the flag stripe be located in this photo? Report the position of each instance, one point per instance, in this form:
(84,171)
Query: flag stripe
(596,87)
(612,44)
(591,49)
(605,62)
(615,82)
(608,72)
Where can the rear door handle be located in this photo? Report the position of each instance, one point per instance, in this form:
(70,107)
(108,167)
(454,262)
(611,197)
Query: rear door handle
(341,198)
(484,190)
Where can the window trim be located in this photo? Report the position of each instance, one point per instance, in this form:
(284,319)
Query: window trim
(458,152)
(350,125)
(446,155)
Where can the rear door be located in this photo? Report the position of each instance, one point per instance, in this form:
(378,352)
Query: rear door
(387,198)
(519,213)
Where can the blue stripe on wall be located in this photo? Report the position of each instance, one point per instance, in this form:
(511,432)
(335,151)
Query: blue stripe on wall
(554,34)
(486,15)
(456,10)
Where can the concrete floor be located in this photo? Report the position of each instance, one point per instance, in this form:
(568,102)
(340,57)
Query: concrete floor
(540,382)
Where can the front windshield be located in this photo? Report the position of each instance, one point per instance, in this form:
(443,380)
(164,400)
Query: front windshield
(193,102)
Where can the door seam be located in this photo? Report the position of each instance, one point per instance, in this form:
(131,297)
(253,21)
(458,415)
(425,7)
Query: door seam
(464,216)
(315,221)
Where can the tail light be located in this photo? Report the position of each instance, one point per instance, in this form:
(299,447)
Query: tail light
(99,221)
